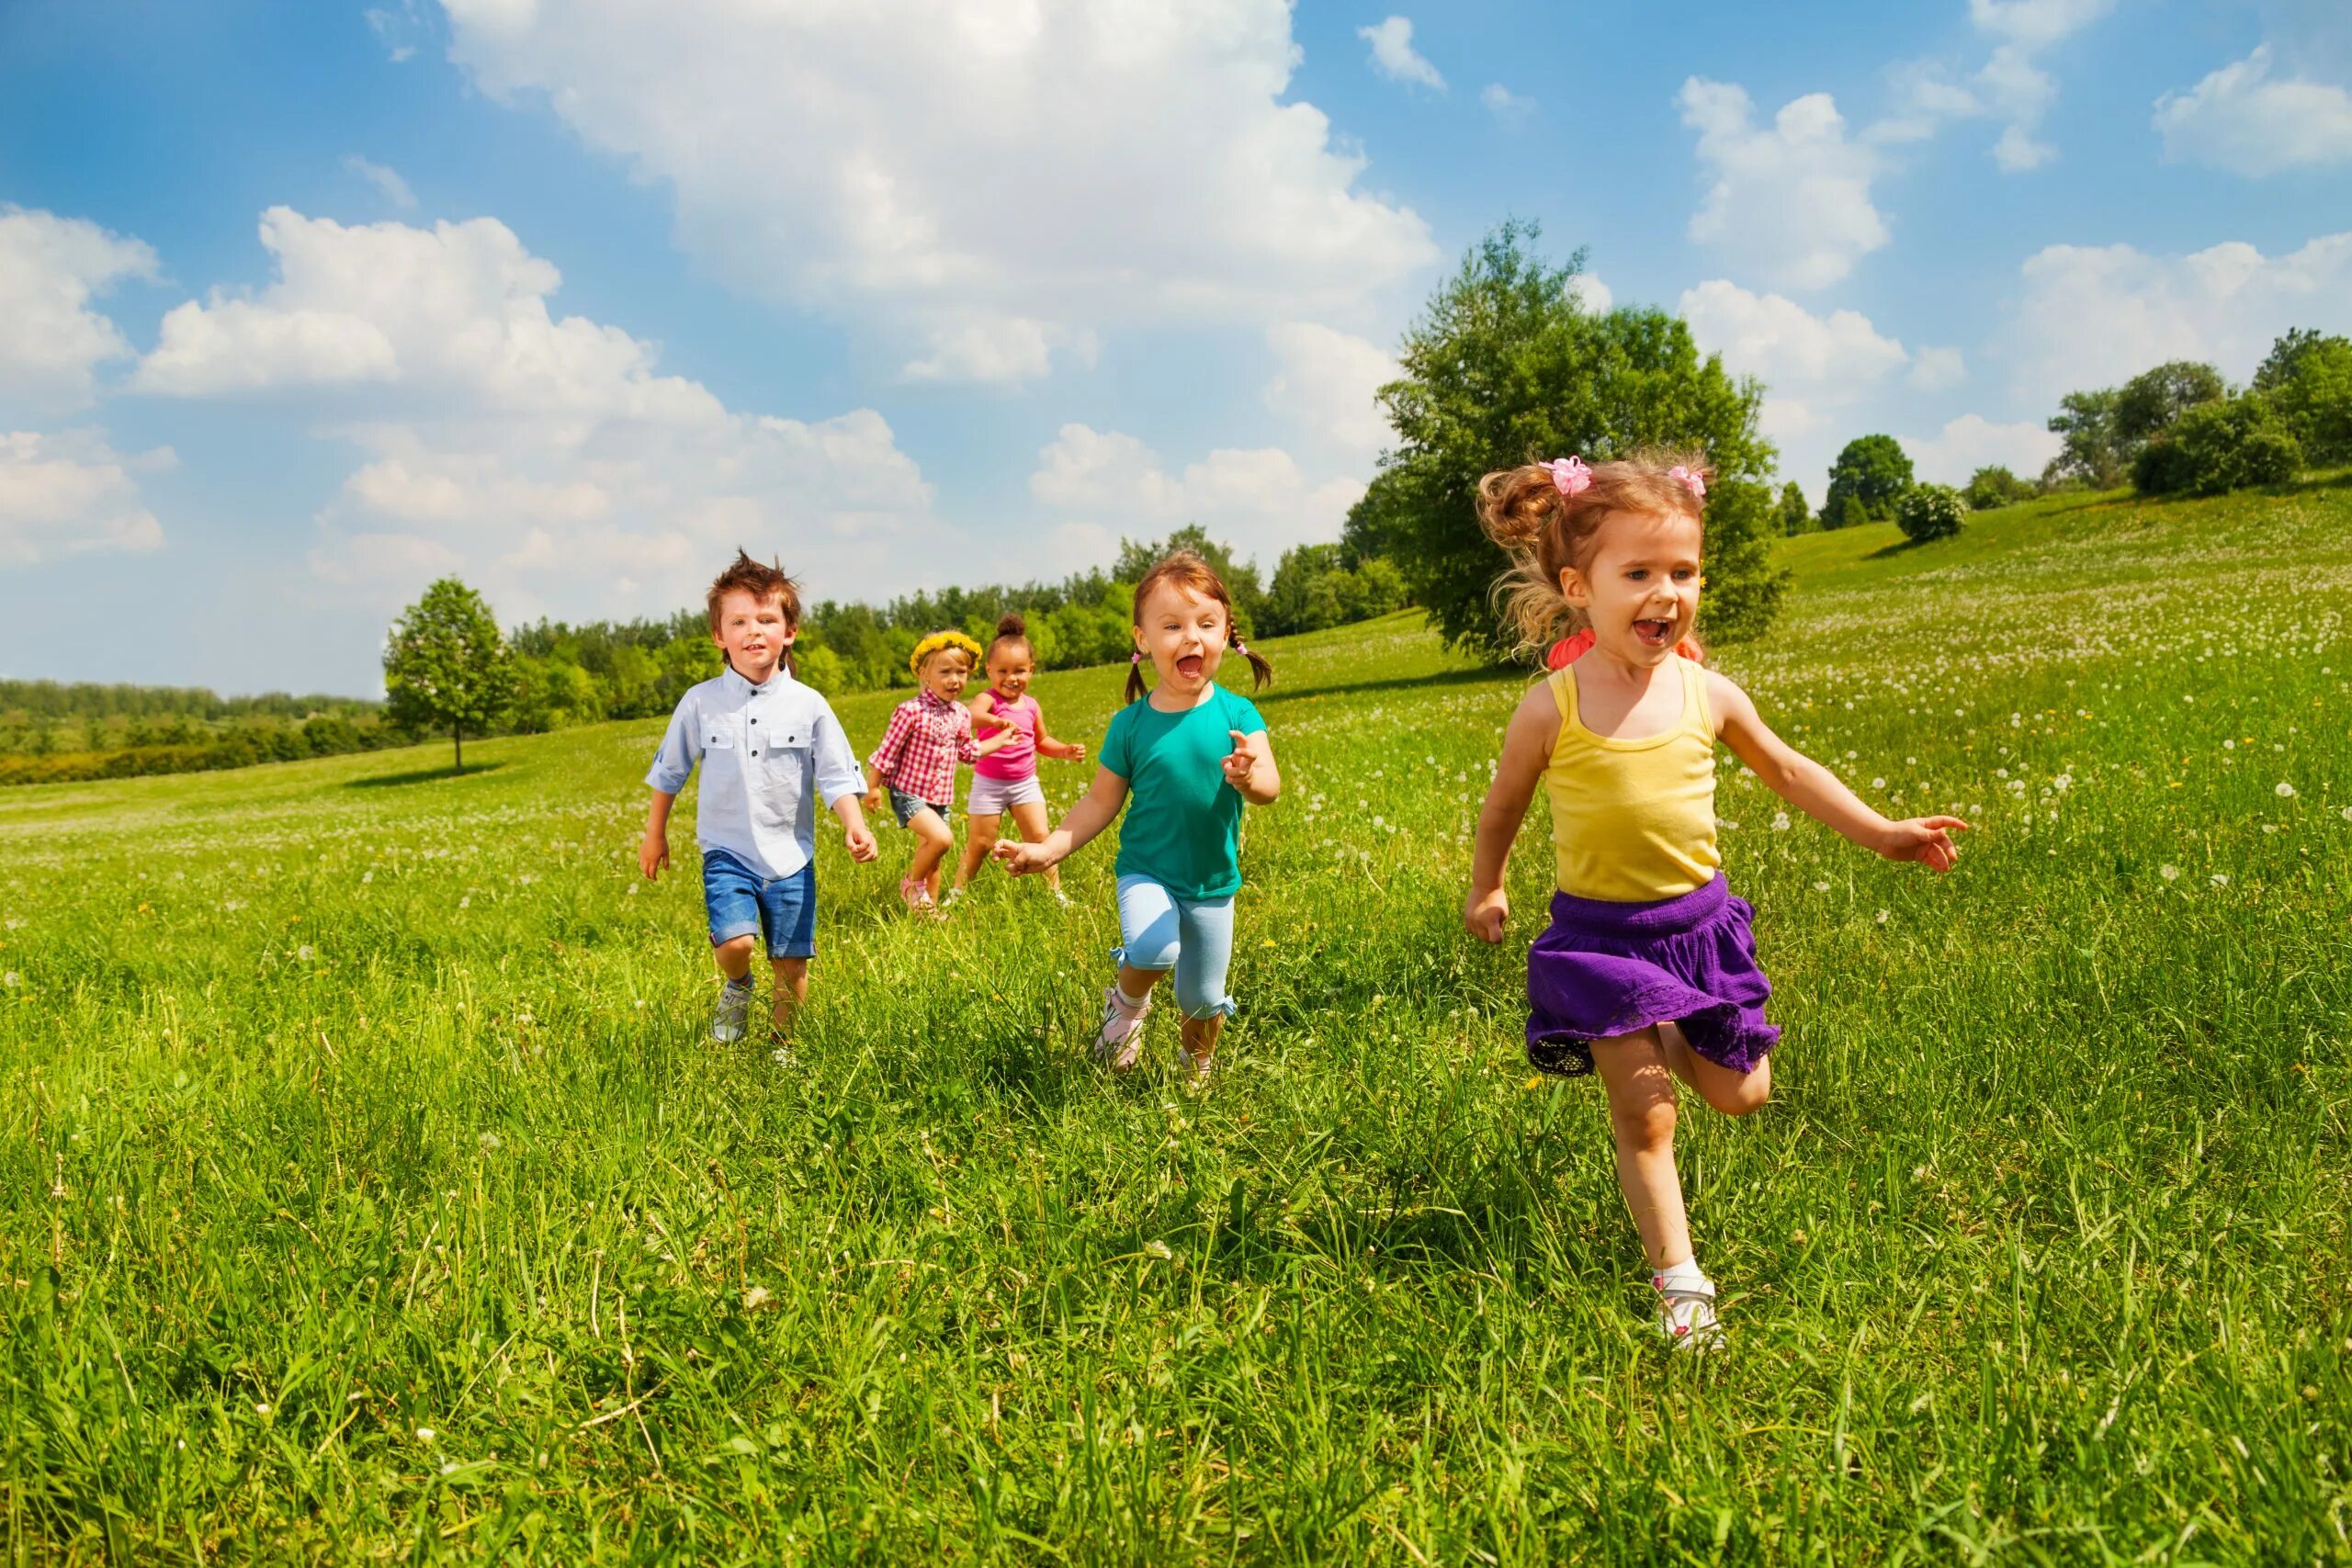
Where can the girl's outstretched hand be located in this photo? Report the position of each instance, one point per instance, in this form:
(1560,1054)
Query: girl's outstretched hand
(1242,760)
(1927,840)
(1486,914)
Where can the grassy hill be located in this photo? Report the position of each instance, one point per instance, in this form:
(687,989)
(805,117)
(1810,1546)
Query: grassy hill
(371,1190)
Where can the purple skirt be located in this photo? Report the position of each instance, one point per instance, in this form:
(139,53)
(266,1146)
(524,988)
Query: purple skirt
(1604,969)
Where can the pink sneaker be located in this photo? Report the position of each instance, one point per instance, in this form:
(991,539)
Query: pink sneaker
(1118,1040)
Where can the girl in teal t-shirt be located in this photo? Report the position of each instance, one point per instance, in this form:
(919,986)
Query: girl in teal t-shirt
(1189,753)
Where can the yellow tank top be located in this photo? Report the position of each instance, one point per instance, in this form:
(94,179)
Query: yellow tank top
(1633,821)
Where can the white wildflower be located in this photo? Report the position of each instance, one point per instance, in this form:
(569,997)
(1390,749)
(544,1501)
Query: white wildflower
(2169,873)
(1780,821)
(2285,790)
(424,1434)
(11,980)
(488,1143)
(1881,917)
(1821,888)
(2221,879)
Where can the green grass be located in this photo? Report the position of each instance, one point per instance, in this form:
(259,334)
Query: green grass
(345,1103)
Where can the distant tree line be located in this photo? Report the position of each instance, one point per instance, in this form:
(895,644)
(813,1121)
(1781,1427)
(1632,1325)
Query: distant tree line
(55,732)
(449,673)
(2179,428)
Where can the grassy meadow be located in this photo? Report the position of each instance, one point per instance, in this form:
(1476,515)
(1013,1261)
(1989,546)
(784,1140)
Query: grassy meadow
(371,1190)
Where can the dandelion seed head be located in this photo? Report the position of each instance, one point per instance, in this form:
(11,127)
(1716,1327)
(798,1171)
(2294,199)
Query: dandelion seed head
(2169,873)
(2284,790)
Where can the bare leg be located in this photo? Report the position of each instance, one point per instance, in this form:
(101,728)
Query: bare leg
(734,955)
(1199,1035)
(791,991)
(1137,983)
(1733,1094)
(1641,1117)
(1034,822)
(980,838)
(933,839)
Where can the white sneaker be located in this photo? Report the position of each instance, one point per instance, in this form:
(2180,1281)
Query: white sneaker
(734,1006)
(1686,1315)
(1118,1038)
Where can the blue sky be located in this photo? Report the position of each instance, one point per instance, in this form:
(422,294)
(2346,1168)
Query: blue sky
(302,306)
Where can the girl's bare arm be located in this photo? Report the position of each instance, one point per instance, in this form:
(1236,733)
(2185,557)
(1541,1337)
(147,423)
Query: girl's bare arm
(1528,740)
(1095,810)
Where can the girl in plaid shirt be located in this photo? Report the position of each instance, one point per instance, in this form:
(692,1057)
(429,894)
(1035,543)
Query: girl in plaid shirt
(916,761)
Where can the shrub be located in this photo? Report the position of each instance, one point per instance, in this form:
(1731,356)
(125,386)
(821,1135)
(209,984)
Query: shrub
(1795,516)
(2153,401)
(2308,379)
(2219,447)
(1846,511)
(1930,512)
(1992,486)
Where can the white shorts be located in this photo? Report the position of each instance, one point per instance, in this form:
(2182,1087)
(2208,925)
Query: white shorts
(990,796)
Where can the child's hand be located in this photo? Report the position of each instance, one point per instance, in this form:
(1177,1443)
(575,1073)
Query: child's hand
(1486,914)
(1242,760)
(652,854)
(860,842)
(1927,840)
(1024,860)
(872,799)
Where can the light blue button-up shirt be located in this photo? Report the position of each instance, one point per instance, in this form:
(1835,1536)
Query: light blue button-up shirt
(768,754)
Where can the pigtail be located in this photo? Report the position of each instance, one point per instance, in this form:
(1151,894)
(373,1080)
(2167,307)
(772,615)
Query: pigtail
(1261,671)
(1137,690)
(1523,510)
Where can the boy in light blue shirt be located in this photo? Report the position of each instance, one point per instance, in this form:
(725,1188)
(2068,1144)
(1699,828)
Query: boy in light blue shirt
(770,748)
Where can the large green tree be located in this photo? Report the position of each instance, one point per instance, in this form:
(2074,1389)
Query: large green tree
(1876,470)
(2153,401)
(2307,379)
(1506,366)
(446,666)
(2090,449)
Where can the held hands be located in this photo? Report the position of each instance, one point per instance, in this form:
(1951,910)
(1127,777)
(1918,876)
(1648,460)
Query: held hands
(652,854)
(1486,914)
(1025,859)
(1243,759)
(1927,840)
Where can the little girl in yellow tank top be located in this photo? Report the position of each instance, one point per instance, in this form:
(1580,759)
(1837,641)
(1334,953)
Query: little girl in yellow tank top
(1647,973)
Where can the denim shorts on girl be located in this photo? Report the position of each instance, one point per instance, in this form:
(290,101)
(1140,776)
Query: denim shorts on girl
(743,903)
(906,805)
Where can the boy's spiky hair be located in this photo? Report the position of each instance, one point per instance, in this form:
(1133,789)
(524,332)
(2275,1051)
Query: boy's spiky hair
(760,579)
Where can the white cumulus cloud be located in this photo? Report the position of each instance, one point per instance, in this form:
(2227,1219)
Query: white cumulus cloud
(546,457)
(1259,500)
(2243,119)
(52,342)
(1816,370)
(62,495)
(1327,385)
(1938,369)
(934,167)
(1793,198)
(2010,86)
(1394,56)
(1971,442)
(2094,316)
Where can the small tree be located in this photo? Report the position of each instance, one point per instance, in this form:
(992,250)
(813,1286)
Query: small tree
(1874,470)
(446,666)
(1794,515)
(1743,588)
(2151,403)
(1930,512)
(2090,452)
(1846,513)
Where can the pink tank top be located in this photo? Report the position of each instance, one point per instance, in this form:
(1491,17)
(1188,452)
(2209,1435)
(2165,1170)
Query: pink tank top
(1018,759)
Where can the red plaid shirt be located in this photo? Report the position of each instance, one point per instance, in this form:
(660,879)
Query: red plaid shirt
(919,752)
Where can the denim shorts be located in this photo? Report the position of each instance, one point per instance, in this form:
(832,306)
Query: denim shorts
(743,903)
(906,805)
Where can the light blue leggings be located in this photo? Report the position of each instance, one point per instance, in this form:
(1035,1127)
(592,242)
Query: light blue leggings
(1191,936)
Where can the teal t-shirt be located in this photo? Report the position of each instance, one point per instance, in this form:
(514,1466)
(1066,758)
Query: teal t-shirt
(1184,823)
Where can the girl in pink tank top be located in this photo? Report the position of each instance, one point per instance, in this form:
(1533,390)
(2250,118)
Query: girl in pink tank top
(1006,779)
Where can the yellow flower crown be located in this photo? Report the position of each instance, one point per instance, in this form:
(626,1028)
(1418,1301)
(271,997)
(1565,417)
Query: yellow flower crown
(936,642)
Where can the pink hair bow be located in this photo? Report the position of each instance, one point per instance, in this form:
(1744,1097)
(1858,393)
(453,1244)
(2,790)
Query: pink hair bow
(1691,481)
(1570,476)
